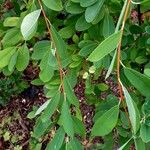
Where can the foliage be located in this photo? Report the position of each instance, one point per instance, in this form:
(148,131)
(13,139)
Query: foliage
(11,86)
(73,40)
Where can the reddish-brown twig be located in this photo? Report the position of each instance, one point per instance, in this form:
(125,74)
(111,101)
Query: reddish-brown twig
(50,34)
(119,57)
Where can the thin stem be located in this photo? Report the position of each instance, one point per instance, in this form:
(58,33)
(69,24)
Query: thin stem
(119,58)
(121,16)
(119,50)
(48,24)
(116,30)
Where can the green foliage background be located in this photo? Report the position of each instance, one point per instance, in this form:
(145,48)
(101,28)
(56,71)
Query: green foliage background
(72,40)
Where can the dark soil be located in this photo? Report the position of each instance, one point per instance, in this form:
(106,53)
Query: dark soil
(22,126)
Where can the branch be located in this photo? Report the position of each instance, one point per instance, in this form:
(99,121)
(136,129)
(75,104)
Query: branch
(119,58)
(48,24)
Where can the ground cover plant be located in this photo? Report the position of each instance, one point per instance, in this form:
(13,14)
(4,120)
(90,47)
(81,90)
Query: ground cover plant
(75,74)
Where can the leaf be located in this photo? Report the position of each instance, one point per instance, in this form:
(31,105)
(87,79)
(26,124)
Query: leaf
(53,4)
(99,16)
(38,146)
(51,108)
(124,145)
(74,144)
(47,70)
(67,32)
(138,80)
(74,8)
(42,107)
(111,65)
(6,136)
(60,44)
(92,11)
(57,141)
(133,111)
(5,56)
(78,126)
(40,128)
(23,58)
(108,25)
(139,144)
(12,37)
(86,50)
(47,73)
(66,120)
(145,6)
(106,122)
(85,3)
(107,46)
(70,93)
(29,24)
(11,21)
(37,82)
(76,1)
(144,133)
(40,48)
(13,61)
(81,24)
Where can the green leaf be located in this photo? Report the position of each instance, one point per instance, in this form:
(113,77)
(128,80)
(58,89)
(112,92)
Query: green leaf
(138,80)
(139,144)
(147,29)
(12,37)
(86,50)
(103,87)
(74,144)
(70,93)
(59,43)
(133,111)
(135,29)
(38,146)
(41,108)
(66,120)
(124,145)
(23,58)
(46,74)
(106,122)
(107,46)
(7,136)
(37,82)
(78,126)
(108,25)
(40,128)
(53,4)
(74,8)
(99,16)
(40,48)
(47,70)
(57,141)
(144,133)
(51,108)
(29,24)
(11,21)
(76,1)
(111,65)
(67,32)
(86,3)
(145,6)
(81,24)
(92,11)
(13,61)
(5,56)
